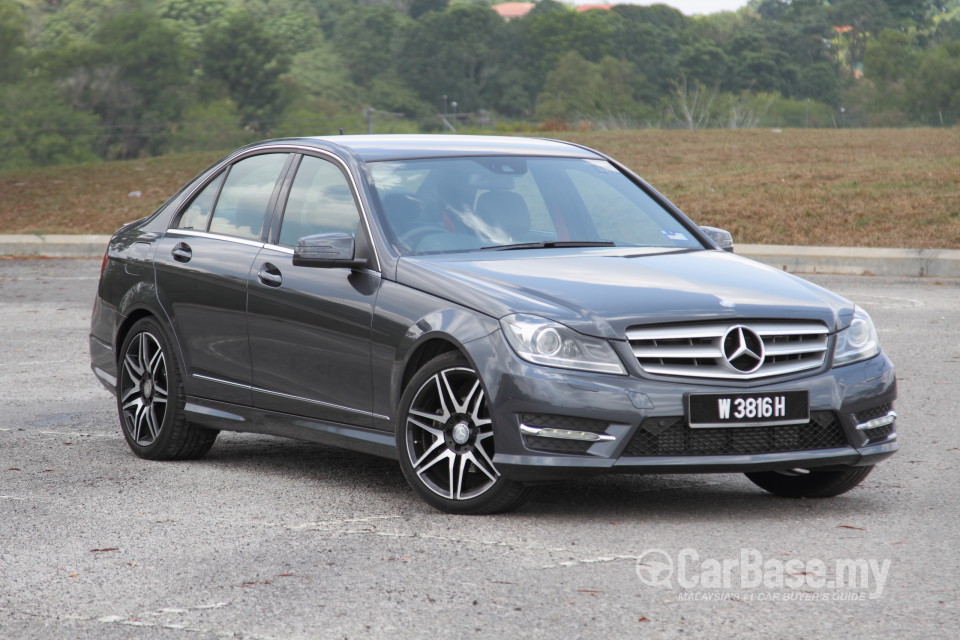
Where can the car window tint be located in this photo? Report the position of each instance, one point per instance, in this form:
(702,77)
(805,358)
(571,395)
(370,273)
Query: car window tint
(621,212)
(462,204)
(320,201)
(540,220)
(243,202)
(197,214)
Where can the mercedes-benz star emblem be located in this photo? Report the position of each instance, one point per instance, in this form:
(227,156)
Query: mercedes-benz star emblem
(743,349)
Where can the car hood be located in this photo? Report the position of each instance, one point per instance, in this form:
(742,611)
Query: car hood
(602,292)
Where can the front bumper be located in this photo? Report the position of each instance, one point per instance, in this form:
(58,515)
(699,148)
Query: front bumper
(634,415)
(534,468)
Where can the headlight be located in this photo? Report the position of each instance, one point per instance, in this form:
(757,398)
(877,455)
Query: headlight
(541,341)
(858,341)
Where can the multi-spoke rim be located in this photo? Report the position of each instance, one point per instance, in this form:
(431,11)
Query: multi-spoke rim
(449,435)
(143,388)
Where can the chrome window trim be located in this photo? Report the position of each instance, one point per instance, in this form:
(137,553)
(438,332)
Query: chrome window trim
(335,159)
(279,247)
(363,210)
(193,233)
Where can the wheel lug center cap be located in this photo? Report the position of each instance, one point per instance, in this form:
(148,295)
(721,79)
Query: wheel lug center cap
(461,433)
(147,389)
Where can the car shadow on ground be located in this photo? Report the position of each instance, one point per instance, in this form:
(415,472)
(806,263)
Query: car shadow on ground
(708,498)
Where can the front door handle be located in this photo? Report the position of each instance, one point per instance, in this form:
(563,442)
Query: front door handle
(182,252)
(270,275)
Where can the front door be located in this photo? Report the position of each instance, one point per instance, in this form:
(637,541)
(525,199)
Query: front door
(310,328)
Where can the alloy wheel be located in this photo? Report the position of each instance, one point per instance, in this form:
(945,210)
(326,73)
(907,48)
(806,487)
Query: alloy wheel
(449,435)
(143,388)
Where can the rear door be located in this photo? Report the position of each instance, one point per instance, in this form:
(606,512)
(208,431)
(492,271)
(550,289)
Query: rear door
(310,328)
(202,267)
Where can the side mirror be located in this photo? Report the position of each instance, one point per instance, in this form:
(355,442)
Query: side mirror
(327,250)
(722,237)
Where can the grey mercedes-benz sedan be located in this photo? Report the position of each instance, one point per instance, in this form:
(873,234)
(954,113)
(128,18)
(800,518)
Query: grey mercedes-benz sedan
(493,312)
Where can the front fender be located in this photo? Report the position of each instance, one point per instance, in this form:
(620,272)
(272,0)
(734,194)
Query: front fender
(410,325)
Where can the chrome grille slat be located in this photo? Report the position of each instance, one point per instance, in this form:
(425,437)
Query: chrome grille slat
(678,352)
(796,348)
(697,350)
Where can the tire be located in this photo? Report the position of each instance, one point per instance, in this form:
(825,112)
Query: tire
(445,439)
(810,483)
(150,398)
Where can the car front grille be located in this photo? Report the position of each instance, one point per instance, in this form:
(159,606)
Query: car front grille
(673,437)
(709,350)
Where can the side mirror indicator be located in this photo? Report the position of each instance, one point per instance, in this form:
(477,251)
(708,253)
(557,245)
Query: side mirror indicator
(722,237)
(327,250)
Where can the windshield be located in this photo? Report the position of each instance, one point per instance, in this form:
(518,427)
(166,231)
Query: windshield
(466,204)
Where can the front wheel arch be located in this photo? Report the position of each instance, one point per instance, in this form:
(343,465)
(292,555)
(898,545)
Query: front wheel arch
(446,440)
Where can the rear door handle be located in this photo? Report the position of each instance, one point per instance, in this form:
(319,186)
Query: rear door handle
(182,252)
(270,275)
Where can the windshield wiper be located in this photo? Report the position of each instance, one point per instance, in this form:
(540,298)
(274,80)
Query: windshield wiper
(550,244)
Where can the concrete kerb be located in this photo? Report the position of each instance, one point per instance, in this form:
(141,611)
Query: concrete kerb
(858,261)
(53,246)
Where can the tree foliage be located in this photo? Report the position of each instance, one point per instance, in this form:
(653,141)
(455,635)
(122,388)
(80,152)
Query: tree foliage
(123,78)
(246,62)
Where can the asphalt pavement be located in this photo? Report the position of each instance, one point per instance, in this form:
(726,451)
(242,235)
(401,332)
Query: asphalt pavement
(274,539)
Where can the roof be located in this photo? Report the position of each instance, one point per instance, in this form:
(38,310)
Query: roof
(590,7)
(511,10)
(371,148)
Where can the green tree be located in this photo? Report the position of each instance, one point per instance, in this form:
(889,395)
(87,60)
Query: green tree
(934,91)
(549,35)
(650,47)
(420,7)
(13,41)
(603,91)
(821,82)
(891,57)
(365,36)
(37,128)
(131,74)
(452,53)
(864,19)
(240,55)
(191,17)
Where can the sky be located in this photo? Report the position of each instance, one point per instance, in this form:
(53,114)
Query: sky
(689,7)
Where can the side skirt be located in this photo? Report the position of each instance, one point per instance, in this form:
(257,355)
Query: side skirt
(231,417)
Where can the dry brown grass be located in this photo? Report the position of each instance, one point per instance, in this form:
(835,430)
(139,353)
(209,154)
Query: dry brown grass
(879,187)
(862,187)
(92,198)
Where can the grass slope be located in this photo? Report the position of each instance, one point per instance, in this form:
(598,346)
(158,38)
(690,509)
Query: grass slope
(862,187)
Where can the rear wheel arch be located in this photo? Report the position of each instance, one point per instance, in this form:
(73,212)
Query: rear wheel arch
(123,329)
(136,315)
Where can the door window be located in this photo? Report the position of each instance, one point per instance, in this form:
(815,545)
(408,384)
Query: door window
(320,201)
(198,213)
(245,197)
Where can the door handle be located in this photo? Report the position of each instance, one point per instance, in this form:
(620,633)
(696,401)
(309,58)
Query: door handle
(182,252)
(270,275)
